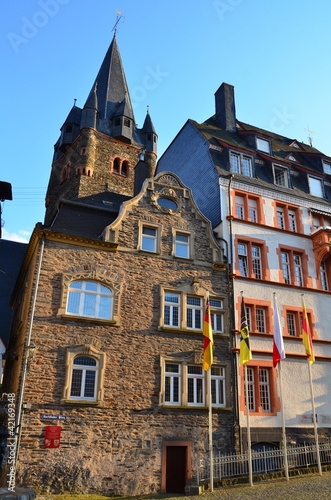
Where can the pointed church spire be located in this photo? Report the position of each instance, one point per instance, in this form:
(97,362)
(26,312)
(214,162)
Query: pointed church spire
(112,87)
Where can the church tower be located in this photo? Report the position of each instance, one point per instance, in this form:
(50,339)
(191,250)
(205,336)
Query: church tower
(100,143)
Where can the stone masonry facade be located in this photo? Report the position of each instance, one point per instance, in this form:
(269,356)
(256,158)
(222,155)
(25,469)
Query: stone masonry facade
(115,445)
(89,166)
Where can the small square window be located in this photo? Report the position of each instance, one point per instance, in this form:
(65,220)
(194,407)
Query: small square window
(327,167)
(263,145)
(281,176)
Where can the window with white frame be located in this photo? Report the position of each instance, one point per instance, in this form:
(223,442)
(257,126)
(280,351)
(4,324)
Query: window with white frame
(218,385)
(327,167)
(243,259)
(182,245)
(241,164)
(217,315)
(194,313)
(324,274)
(240,212)
(294,322)
(315,186)
(149,239)
(172,309)
(292,327)
(83,378)
(280,217)
(258,382)
(184,384)
(89,299)
(172,383)
(252,209)
(263,145)
(247,207)
(292,219)
(258,318)
(286,267)
(281,177)
(195,386)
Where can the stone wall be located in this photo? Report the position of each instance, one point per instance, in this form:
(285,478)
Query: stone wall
(115,446)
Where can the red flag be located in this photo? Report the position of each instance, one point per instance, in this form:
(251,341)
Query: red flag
(208,340)
(306,335)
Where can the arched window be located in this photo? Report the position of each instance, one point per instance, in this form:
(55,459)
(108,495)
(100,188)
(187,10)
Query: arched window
(117,165)
(90,299)
(125,168)
(84,377)
(65,172)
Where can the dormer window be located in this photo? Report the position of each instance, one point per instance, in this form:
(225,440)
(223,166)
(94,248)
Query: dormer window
(315,186)
(281,177)
(327,167)
(241,164)
(263,145)
(127,122)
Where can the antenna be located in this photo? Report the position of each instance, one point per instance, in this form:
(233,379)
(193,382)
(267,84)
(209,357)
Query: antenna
(310,139)
(119,16)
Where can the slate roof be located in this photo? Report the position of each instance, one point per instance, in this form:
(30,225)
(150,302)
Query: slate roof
(111,84)
(309,159)
(87,217)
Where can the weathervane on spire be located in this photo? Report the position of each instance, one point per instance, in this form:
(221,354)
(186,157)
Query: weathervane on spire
(119,16)
(310,139)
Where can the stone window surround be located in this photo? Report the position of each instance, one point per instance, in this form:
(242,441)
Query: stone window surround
(93,352)
(183,360)
(190,235)
(157,227)
(112,282)
(191,290)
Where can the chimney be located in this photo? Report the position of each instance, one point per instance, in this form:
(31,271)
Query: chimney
(225,107)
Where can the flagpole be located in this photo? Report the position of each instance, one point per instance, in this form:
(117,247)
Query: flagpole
(314,420)
(283,423)
(250,471)
(210,427)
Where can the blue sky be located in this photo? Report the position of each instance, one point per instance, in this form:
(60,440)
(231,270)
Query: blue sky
(175,55)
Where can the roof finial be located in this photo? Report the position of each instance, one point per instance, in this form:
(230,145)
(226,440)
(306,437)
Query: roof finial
(119,16)
(75,100)
(148,108)
(310,139)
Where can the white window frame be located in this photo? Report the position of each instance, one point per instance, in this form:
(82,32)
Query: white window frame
(324,275)
(217,313)
(84,294)
(83,369)
(177,382)
(243,259)
(197,380)
(316,186)
(281,175)
(157,237)
(182,249)
(280,217)
(242,165)
(264,387)
(194,312)
(326,167)
(297,267)
(286,267)
(174,378)
(291,321)
(147,239)
(263,145)
(218,388)
(172,309)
